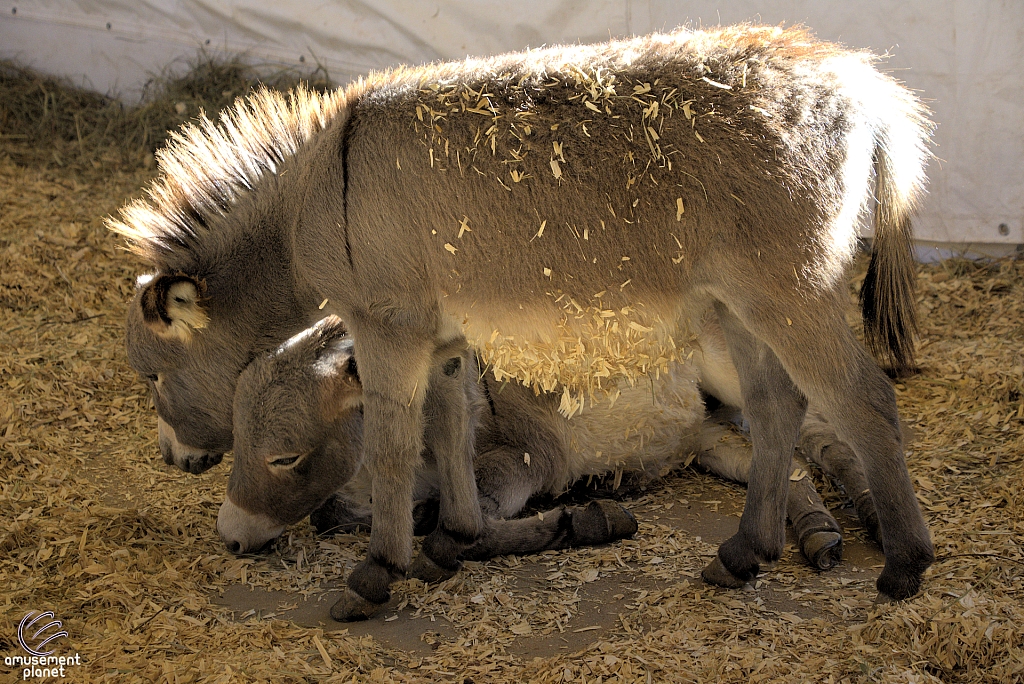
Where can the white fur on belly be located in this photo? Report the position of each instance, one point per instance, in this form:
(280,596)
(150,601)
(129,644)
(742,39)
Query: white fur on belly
(648,428)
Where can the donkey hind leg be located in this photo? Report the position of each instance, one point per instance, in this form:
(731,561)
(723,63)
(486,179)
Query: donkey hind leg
(846,385)
(821,445)
(450,429)
(863,411)
(817,532)
(775,409)
(599,522)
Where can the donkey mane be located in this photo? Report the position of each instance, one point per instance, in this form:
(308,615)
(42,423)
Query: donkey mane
(207,166)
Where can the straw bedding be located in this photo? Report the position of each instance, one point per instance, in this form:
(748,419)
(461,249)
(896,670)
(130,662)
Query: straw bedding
(123,549)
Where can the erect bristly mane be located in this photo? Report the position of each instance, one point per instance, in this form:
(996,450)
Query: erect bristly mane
(206,166)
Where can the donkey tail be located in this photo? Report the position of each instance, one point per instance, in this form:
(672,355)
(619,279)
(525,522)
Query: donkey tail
(887,297)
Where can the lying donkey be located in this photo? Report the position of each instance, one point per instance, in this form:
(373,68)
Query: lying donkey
(571,213)
(298,429)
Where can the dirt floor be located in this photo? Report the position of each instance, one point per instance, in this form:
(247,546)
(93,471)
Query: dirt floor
(122,548)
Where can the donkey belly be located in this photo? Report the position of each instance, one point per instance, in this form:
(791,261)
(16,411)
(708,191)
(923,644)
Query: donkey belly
(583,350)
(645,428)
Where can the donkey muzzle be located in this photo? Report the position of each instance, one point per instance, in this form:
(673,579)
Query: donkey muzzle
(244,532)
(187,458)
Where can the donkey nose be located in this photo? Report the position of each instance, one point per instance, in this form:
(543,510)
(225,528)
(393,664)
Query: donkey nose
(244,532)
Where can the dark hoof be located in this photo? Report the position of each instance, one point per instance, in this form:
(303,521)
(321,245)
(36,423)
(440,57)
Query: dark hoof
(602,522)
(897,587)
(901,577)
(739,561)
(717,574)
(352,607)
(430,572)
(824,549)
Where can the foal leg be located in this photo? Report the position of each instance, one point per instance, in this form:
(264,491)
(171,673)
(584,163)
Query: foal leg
(599,522)
(341,515)
(817,532)
(507,476)
(451,428)
(775,409)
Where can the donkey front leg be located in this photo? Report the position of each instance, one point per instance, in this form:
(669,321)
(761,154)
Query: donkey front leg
(599,522)
(394,368)
(450,431)
(775,409)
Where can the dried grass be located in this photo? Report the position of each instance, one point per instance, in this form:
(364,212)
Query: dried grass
(49,121)
(123,549)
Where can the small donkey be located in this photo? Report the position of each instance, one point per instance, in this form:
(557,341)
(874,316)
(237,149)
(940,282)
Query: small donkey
(298,440)
(570,213)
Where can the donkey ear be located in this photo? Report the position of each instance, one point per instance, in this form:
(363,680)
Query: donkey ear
(330,328)
(336,365)
(171,305)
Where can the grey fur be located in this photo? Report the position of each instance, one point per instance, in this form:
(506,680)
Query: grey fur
(746,197)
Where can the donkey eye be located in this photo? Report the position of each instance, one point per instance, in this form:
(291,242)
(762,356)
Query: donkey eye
(284,461)
(153,378)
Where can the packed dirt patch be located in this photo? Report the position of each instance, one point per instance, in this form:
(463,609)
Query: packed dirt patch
(122,548)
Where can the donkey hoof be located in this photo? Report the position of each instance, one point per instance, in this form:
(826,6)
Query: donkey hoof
(602,522)
(352,607)
(824,549)
(893,586)
(423,568)
(621,521)
(716,573)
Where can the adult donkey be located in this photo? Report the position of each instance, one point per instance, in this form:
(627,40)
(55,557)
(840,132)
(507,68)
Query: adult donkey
(570,212)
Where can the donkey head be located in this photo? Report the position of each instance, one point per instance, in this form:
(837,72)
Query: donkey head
(190,339)
(298,435)
(188,391)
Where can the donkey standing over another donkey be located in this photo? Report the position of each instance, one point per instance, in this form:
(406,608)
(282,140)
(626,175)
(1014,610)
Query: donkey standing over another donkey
(571,213)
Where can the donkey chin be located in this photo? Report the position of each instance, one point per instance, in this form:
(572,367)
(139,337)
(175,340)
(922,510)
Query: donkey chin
(244,532)
(187,458)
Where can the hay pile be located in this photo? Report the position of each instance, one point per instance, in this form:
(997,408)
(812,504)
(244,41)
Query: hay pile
(123,549)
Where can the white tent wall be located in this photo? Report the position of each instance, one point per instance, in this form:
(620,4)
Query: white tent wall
(966,57)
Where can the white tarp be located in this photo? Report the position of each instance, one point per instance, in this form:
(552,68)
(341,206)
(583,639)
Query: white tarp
(965,56)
